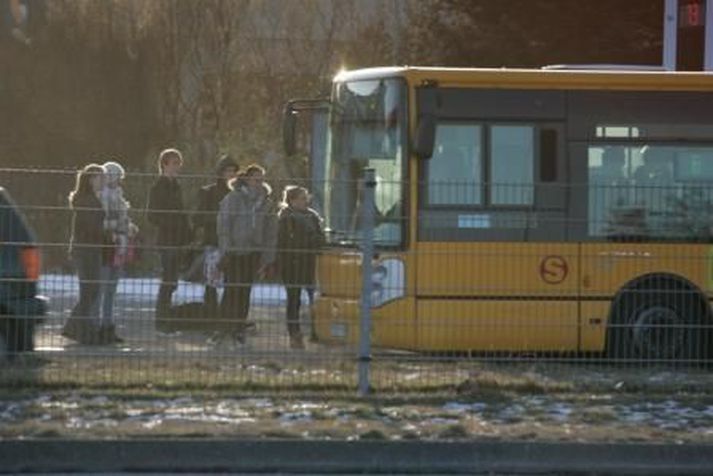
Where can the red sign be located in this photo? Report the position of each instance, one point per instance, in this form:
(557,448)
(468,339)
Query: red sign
(691,14)
(553,269)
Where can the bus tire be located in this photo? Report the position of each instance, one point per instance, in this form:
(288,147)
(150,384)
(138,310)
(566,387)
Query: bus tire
(657,325)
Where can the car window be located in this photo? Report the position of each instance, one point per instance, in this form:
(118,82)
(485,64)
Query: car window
(13,227)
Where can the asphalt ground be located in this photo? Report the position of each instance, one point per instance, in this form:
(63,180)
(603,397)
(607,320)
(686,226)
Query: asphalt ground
(342,457)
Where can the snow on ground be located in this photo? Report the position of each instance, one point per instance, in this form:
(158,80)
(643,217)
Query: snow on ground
(56,285)
(540,417)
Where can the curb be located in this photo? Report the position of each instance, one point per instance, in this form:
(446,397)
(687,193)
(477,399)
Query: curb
(377,457)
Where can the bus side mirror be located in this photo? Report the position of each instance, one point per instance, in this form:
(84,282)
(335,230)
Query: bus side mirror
(425,139)
(289,128)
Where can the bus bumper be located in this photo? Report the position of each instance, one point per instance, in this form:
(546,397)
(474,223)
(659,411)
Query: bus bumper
(337,320)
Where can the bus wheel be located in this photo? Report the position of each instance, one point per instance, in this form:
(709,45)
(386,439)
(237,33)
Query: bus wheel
(654,326)
(659,332)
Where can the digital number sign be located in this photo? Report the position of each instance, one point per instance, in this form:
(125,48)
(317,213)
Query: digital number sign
(691,14)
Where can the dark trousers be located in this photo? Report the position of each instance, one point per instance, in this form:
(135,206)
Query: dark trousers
(210,299)
(294,295)
(169,280)
(83,323)
(240,273)
(310,297)
(88,262)
(294,303)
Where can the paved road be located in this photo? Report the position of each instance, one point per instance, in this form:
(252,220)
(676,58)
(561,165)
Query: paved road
(341,457)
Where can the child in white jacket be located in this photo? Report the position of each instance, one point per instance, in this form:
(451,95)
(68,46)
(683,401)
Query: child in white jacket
(118,229)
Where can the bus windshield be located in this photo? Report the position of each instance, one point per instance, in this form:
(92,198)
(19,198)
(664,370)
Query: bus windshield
(367,129)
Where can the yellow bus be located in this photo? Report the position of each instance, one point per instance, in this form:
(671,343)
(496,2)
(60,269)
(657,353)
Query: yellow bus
(520,210)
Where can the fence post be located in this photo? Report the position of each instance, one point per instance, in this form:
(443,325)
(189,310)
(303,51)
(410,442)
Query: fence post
(367,219)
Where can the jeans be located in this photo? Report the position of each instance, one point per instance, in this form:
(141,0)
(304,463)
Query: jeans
(110,276)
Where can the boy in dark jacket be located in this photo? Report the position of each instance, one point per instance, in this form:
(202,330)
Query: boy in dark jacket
(299,237)
(167,213)
(206,216)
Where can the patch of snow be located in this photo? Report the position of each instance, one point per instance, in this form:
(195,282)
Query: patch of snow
(512,412)
(441,421)
(230,408)
(289,418)
(258,402)
(10,412)
(536,401)
(308,406)
(61,285)
(64,405)
(632,416)
(87,422)
(151,420)
(560,411)
(458,407)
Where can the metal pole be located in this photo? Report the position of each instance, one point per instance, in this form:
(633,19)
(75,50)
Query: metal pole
(670,30)
(367,217)
(708,42)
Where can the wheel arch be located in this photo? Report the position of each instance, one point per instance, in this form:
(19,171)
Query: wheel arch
(657,281)
(654,282)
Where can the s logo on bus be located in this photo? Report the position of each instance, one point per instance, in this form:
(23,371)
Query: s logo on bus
(553,269)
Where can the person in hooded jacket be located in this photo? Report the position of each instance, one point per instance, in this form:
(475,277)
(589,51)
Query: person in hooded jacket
(299,238)
(247,238)
(206,216)
(85,247)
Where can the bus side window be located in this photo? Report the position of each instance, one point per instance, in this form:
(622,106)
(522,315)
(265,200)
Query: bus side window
(512,164)
(455,169)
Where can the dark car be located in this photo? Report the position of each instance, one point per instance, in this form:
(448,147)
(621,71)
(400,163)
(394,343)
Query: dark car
(20,306)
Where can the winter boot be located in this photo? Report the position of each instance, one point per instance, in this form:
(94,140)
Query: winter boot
(296,342)
(107,335)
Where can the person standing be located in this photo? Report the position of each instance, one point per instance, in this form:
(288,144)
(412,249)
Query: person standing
(18,16)
(205,218)
(167,213)
(118,229)
(299,238)
(247,236)
(85,246)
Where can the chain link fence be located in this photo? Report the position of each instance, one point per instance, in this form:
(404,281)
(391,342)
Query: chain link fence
(440,313)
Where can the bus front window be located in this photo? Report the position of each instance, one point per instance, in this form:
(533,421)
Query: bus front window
(367,130)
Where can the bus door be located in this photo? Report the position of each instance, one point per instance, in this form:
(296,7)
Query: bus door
(494,269)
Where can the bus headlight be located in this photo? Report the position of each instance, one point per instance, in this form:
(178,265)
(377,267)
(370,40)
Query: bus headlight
(387,281)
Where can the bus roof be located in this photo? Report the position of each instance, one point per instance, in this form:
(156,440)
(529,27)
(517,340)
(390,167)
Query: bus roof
(540,78)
